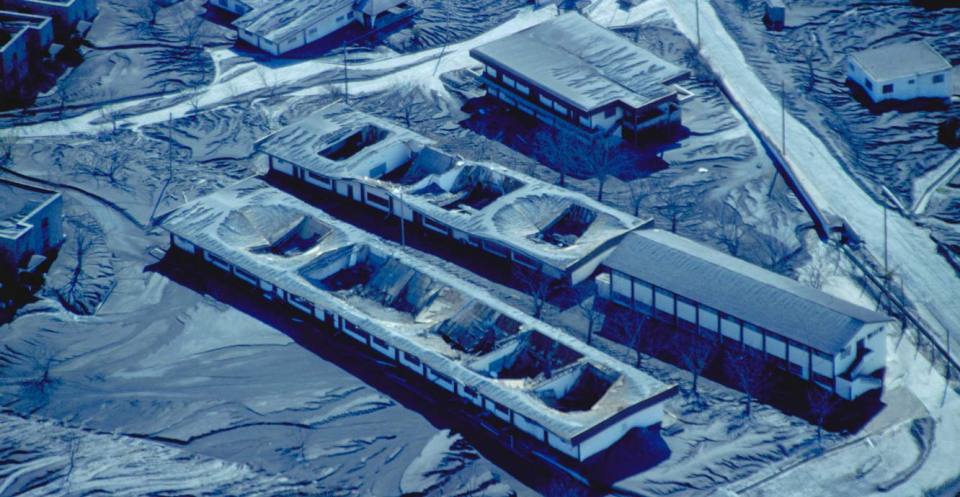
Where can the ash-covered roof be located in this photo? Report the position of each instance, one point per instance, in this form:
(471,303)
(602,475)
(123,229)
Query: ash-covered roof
(18,202)
(901,60)
(279,20)
(520,217)
(303,142)
(744,290)
(583,63)
(240,221)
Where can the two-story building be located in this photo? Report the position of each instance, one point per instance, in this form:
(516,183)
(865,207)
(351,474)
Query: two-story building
(828,341)
(30,225)
(25,42)
(901,71)
(280,27)
(573,74)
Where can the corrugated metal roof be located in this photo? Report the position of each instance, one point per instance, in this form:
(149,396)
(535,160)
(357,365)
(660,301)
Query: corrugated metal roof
(901,60)
(746,291)
(583,63)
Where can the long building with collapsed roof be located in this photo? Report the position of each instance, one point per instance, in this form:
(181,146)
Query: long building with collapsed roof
(577,76)
(563,393)
(531,223)
(280,27)
(811,334)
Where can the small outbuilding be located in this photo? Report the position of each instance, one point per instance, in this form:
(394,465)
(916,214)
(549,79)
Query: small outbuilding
(903,71)
(30,225)
(775,14)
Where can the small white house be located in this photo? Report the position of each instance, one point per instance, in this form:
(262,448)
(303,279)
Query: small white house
(901,72)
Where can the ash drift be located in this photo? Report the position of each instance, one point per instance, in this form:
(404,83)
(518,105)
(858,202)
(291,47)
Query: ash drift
(528,374)
(532,223)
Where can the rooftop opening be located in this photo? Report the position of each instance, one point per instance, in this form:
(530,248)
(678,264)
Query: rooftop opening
(576,389)
(428,161)
(477,328)
(532,355)
(355,142)
(568,226)
(383,286)
(474,188)
(274,229)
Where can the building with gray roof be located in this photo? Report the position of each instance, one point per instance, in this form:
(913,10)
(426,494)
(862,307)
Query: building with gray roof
(902,71)
(810,333)
(280,27)
(562,234)
(578,76)
(529,375)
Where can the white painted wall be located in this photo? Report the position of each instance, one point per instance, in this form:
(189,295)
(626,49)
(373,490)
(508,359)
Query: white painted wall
(913,86)
(647,417)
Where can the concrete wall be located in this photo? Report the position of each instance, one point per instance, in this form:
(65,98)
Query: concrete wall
(644,418)
(65,14)
(42,230)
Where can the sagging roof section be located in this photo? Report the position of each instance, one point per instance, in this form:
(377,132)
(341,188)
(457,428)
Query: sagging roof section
(746,291)
(544,221)
(901,60)
(339,142)
(583,63)
(458,330)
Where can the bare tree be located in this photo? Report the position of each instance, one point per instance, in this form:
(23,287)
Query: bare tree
(406,100)
(774,242)
(634,334)
(72,449)
(750,373)
(637,195)
(110,167)
(536,284)
(190,27)
(588,306)
(8,142)
(821,403)
(63,96)
(696,354)
(731,230)
(602,158)
(110,114)
(148,10)
(558,149)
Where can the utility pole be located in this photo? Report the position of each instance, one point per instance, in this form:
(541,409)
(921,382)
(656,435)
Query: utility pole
(783,118)
(346,81)
(403,231)
(697,3)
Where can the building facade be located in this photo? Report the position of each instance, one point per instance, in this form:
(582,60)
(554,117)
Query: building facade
(834,344)
(559,234)
(445,332)
(903,71)
(25,42)
(30,224)
(593,84)
(281,27)
(67,15)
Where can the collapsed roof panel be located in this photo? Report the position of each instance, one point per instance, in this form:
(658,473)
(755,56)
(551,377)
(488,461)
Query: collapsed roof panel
(446,322)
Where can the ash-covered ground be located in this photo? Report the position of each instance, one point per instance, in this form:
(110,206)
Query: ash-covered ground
(168,370)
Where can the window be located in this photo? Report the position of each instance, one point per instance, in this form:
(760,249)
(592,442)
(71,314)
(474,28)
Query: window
(376,199)
(412,359)
(560,108)
(888,88)
(522,88)
(912,81)
(312,30)
(584,120)
(525,260)
(441,377)
(795,368)
(507,80)
(824,380)
(379,343)
(470,391)
(869,84)
(938,78)
(546,101)
(491,71)
(500,407)
(609,112)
